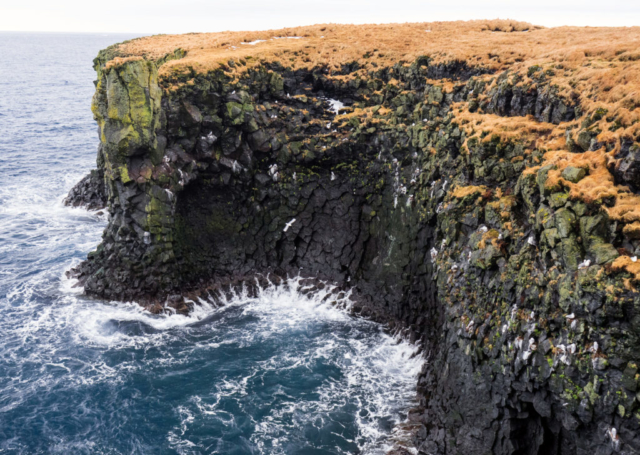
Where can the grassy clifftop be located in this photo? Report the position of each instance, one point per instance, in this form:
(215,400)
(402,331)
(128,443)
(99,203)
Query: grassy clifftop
(475,184)
(592,73)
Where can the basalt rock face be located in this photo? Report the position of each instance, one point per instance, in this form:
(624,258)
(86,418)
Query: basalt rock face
(530,338)
(90,192)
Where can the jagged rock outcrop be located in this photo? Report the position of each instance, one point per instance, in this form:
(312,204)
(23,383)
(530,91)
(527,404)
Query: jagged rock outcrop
(440,202)
(90,192)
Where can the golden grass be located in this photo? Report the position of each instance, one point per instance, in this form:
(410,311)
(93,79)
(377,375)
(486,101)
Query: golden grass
(626,208)
(503,205)
(625,264)
(632,230)
(600,67)
(507,25)
(491,236)
(596,187)
(492,44)
(528,129)
(464,191)
(335,44)
(118,61)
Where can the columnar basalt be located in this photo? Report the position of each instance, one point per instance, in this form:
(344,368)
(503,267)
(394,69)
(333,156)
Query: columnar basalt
(480,208)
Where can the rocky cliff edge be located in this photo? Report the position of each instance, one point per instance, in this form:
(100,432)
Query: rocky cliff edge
(474,183)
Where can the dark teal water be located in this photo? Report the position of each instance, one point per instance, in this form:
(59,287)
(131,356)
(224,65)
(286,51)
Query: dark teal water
(283,373)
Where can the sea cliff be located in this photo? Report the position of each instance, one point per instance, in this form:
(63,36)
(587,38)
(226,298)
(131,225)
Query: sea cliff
(473,183)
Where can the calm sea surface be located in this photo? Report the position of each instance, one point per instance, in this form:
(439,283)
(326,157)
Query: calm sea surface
(283,373)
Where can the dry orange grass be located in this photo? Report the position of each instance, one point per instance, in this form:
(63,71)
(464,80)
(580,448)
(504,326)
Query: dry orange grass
(493,44)
(461,192)
(626,264)
(527,129)
(335,44)
(368,115)
(118,61)
(632,230)
(503,205)
(596,187)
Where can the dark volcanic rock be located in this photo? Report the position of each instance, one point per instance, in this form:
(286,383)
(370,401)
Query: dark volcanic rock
(90,192)
(627,168)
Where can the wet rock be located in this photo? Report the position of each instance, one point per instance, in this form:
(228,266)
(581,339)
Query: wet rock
(90,192)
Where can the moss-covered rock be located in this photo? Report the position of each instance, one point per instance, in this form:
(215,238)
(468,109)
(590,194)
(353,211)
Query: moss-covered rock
(459,236)
(573,174)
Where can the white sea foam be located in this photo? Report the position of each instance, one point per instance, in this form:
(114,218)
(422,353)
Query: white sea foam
(374,375)
(378,372)
(57,339)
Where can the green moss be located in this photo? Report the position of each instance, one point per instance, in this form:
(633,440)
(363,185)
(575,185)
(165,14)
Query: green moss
(127,108)
(124,174)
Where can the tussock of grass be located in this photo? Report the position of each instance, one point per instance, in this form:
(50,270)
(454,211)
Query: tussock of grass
(527,129)
(598,186)
(119,61)
(504,205)
(626,208)
(598,183)
(632,230)
(464,191)
(626,264)
(491,236)
(507,25)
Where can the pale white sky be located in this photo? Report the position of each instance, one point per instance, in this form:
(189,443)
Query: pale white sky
(181,16)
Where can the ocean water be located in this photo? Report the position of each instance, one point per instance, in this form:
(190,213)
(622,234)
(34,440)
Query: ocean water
(281,373)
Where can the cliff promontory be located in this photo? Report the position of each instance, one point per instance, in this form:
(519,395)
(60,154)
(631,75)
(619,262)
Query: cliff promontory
(475,184)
